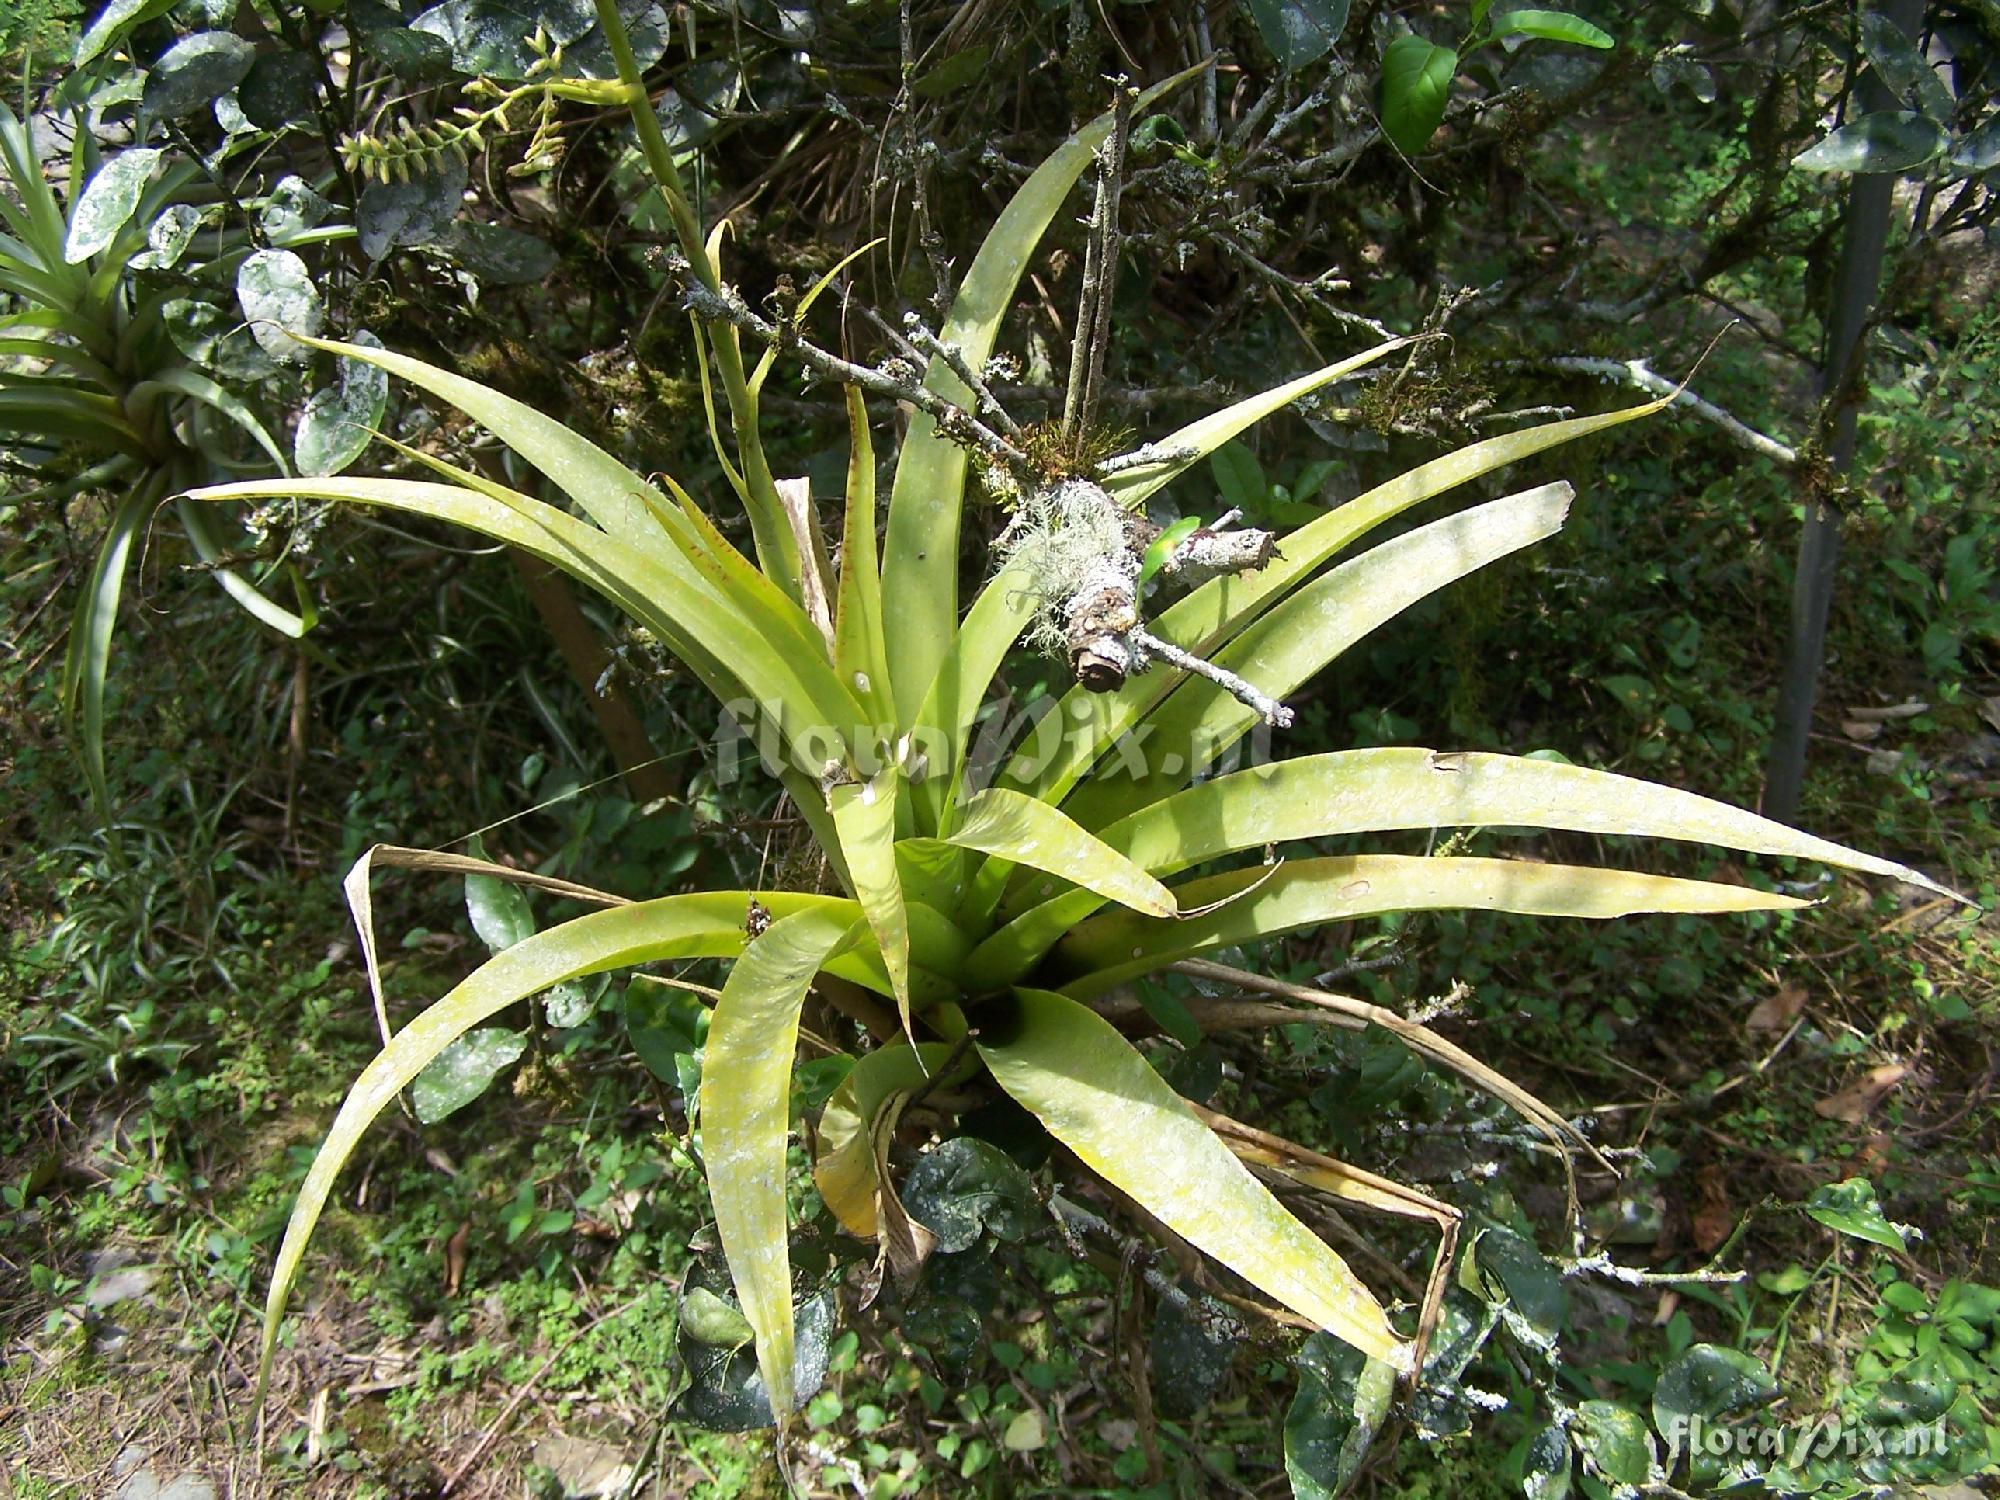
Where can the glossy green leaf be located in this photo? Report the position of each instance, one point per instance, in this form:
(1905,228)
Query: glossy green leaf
(496,254)
(1296,640)
(1189,445)
(954,73)
(339,420)
(965,1188)
(864,817)
(1416,86)
(1102,1099)
(1299,32)
(920,560)
(1551,26)
(1709,1382)
(745,1113)
(117,18)
(1211,615)
(415,212)
(108,201)
(1343,1396)
(195,71)
(1850,1208)
(279,90)
(490,37)
(1614,1441)
(280,302)
(1978,152)
(1119,945)
(1545,1467)
(1885,141)
(708,925)
(465,1070)
(1904,70)
(498,908)
(1024,831)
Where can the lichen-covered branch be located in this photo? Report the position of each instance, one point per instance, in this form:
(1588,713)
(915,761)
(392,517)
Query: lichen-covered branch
(726,305)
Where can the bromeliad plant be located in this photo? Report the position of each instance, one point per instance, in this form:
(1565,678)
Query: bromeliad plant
(97,394)
(1000,920)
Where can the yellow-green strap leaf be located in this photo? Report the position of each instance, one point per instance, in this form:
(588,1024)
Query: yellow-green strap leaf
(1295,641)
(920,564)
(609,493)
(1194,442)
(944,724)
(1100,1098)
(1362,791)
(697,622)
(708,925)
(1022,831)
(1219,609)
(858,653)
(746,1091)
(1120,945)
(844,1164)
(798,314)
(864,818)
(1367,791)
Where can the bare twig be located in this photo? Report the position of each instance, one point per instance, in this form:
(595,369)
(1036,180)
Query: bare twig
(954,421)
(1111,190)
(1634,372)
(1244,692)
(952,355)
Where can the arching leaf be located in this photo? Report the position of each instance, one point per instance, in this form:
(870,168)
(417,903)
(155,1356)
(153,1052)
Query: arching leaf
(709,925)
(1103,1100)
(1268,902)
(745,1112)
